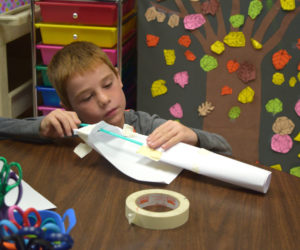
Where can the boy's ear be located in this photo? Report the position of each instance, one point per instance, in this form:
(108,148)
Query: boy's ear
(119,77)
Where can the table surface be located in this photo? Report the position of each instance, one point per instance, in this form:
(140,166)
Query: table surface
(222,216)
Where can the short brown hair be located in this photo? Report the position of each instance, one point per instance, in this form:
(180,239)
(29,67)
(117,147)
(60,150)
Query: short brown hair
(74,58)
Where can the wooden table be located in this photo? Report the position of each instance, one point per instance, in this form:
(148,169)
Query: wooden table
(221,216)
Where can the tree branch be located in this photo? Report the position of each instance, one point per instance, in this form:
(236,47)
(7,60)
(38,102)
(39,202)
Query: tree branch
(235,9)
(268,19)
(277,36)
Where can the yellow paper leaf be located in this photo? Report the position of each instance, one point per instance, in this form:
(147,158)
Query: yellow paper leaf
(256,44)
(235,39)
(276,166)
(169,56)
(288,4)
(297,137)
(278,78)
(217,47)
(246,95)
(292,81)
(158,88)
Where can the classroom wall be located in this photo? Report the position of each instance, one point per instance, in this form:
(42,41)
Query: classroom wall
(252,107)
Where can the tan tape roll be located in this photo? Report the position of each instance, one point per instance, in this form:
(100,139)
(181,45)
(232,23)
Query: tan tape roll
(136,214)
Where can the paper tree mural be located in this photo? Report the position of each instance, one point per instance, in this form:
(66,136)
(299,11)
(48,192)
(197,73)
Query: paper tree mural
(235,39)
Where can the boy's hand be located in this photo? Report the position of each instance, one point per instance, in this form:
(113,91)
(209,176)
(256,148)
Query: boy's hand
(170,133)
(59,123)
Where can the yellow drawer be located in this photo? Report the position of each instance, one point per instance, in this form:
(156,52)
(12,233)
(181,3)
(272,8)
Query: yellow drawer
(105,37)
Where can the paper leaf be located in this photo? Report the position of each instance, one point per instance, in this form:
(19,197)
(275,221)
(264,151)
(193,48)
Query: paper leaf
(292,81)
(193,21)
(298,45)
(176,110)
(210,7)
(255,8)
(150,14)
(173,21)
(278,78)
(152,40)
(297,107)
(217,47)
(237,20)
(283,126)
(189,55)
(288,4)
(277,167)
(160,17)
(181,78)
(226,90)
(205,108)
(295,171)
(297,137)
(246,95)
(255,44)
(280,59)
(246,72)
(235,39)
(234,112)
(185,41)
(281,143)
(208,63)
(169,56)
(232,66)
(274,106)
(158,88)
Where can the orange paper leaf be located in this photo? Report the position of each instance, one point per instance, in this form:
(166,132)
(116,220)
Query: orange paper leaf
(152,40)
(185,41)
(280,59)
(189,55)
(232,66)
(226,90)
(298,44)
(298,68)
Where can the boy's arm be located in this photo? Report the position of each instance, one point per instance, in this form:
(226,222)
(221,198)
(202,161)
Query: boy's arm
(57,124)
(146,124)
(21,129)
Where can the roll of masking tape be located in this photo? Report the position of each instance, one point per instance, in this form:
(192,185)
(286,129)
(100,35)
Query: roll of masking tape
(177,216)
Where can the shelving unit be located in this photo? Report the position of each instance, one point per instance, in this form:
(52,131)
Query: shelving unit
(14,25)
(110,24)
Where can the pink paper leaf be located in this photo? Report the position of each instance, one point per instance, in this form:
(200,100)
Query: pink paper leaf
(181,78)
(297,107)
(281,143)
(193,21)
(176,110)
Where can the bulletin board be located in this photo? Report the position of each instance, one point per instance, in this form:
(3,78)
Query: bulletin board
(230,67)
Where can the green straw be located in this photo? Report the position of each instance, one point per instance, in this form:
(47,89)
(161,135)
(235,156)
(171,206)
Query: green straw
(115,135)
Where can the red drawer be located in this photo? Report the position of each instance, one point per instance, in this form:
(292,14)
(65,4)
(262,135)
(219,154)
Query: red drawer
(90,13)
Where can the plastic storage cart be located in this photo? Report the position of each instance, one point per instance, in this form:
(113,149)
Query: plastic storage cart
(109,24)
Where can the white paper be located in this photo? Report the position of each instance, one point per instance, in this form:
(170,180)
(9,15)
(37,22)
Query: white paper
(30,198)
(122,154)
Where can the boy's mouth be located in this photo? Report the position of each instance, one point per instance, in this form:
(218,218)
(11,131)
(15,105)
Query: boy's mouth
(111,112)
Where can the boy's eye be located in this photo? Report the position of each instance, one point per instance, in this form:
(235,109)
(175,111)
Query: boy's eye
(107,85)
(86,98)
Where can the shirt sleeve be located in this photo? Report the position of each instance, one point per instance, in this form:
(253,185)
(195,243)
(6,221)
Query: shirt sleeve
(22,129)
(145,123)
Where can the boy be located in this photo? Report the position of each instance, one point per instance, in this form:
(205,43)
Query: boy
(88,84)
(90,89)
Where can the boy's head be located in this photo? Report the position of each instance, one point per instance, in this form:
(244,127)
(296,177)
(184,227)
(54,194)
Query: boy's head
(87,83)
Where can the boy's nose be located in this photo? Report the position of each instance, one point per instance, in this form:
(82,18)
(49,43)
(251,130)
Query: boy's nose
(102,99)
